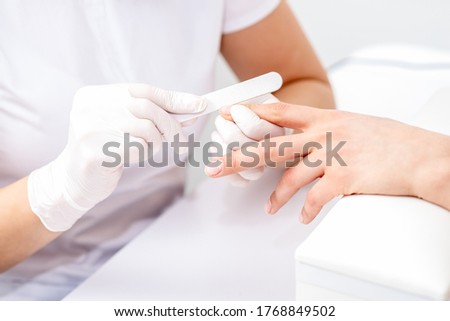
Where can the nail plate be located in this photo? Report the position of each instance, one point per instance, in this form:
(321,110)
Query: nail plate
(225,110)
(213,171)
(268,207)
(302,216)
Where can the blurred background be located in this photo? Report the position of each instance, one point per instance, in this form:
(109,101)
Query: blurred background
(337,28)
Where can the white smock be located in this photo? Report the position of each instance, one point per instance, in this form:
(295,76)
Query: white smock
(50,48)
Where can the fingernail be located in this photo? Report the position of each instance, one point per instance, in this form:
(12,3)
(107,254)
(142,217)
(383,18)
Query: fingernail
(195,103)
(268,207)
(253,174)
(302,216)
(225,110)
(213,171)
(212,150)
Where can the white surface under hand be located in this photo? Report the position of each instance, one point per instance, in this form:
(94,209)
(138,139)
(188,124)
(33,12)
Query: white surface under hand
(218,244)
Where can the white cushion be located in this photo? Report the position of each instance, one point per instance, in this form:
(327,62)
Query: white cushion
(398,242)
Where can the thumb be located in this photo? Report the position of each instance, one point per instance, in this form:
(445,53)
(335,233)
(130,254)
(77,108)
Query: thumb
(170,101)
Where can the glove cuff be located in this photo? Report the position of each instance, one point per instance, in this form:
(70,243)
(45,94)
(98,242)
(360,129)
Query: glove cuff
(49,201)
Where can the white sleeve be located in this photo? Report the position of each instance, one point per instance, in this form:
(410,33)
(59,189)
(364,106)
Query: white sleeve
(240,14)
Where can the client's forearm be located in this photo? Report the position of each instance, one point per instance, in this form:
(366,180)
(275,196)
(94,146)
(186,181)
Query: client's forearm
(309,92)
(432,181)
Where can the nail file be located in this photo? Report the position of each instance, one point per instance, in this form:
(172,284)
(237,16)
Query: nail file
(237,93)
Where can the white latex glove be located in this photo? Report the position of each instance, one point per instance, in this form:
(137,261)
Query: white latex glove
(247,127)
(63,190)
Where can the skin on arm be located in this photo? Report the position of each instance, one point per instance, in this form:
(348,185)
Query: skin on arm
(21,231)
(277,43)
(379,156)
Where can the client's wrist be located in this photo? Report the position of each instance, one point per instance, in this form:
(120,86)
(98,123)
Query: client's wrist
(432,177)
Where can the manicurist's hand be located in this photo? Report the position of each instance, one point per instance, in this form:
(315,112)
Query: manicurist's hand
(349,154)
(36,209)
(90,166)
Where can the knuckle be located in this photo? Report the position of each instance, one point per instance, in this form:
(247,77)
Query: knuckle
(273,153)
(337,177)
(278,110)
(320,137)
(339,130)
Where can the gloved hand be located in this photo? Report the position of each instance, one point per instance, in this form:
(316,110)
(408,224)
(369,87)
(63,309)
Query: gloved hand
(247,127)
(85,173)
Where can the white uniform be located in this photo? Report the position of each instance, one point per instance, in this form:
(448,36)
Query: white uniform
(50,48)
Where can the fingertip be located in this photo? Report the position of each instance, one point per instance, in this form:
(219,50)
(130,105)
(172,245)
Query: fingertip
(225,113)
(253,174)
(225,110)
(268,207)
(306,216)
(203,103)
(228,117)
(273,204)
(188,123)
(213,171)
(193,103)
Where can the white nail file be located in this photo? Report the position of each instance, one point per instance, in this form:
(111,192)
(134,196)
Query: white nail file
(237,93)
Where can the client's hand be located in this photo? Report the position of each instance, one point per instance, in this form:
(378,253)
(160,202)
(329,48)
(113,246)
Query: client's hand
(239,125)
(349,153)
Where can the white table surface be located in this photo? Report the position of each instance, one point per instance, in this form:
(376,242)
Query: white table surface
(212,245)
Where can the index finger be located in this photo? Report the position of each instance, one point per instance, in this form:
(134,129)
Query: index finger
(267,152)
(172,101)
(285,115)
